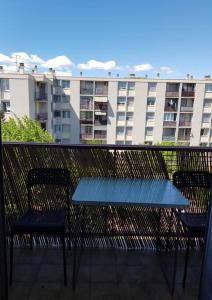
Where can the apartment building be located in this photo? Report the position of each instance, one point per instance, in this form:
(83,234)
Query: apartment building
(112,110)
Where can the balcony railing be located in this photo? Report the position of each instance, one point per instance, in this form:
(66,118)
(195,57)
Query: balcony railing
(86,106)
(100,136)
(42,116)
(187,94)
(168,138)
(185,123)
(186,108)
(172,94)
(170,109)
(86,121)
(86,91)
(101,91)
(184,137)
(100,122)
(40,96)
(169,123)
(86,136)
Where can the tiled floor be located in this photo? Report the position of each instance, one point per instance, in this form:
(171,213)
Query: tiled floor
(103,274)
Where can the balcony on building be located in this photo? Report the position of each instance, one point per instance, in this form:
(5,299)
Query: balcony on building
(184,134)
(185,120)
(101,88)
(207,105)
(126,259)
(187,105)
(42,116)
(169,134)
(40,91)
(172,90)
(170,120)
(188,90)
(100,120)
(86,87)
(86,103)
(100,134)
(86,117)
(171,105)
(100,107)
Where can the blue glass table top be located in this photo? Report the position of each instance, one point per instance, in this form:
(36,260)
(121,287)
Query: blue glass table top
(128,191)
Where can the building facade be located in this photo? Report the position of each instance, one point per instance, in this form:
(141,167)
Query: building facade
(109,110)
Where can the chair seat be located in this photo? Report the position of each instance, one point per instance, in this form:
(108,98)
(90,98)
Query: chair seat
(194,222)
(41,222)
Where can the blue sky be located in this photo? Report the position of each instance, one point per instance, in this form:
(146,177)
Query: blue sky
(173,37)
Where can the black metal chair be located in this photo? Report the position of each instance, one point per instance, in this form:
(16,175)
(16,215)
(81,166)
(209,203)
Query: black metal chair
(196,187)
(48,209)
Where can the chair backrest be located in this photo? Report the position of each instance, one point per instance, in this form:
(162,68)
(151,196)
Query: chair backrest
(48,188)
(195,186)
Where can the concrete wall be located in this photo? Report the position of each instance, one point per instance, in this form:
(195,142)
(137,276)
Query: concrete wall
(75,111)
(112,111)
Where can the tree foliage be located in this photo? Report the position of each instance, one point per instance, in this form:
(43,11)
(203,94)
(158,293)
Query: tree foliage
(24,130)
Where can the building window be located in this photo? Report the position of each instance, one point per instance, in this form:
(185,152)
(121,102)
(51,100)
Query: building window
(150,116)
(57,113)
(65,128)
(170,117)
(120,116)
(207,102)
(129,116)
(131,86)
(129,131)
(5,106)
(151,101)
(204,131)
(56,99)
(121,101)
(57,128)
(65,84)
(122,86)
(130,101)
(4,85)
(65,99)
(66,114)
(86,87)
(149,131)
(206,118)
(208,87)
(152,86)
(120,130)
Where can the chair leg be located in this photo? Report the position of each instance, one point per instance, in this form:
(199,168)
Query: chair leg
(11,259)
(186,262)
(64,260)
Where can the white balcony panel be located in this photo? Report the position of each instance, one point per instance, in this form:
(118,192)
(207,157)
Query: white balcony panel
(130,108)
(120,137)
(122,93)
(150,108)
(151,94)
(120,123)
(207,109)
(205,125)
(5,95)
(208,95)
(150,123)
(128,137)
(121,108)
(204,139)
(149,138)
(131,93)
(129,123)
(100,99)
(100,127)
(100,113)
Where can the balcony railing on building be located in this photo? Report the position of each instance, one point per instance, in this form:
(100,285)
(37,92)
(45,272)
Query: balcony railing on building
(101,136)
(170,108)
(168,138)
(187,94)
(100,106)
(86,106)
(86,91)
(172,94)
(42,116)
(85,136)
(101,91)
(184,123)
(41,96)
(186,108)
(169,123)
(184,137)
(86,121)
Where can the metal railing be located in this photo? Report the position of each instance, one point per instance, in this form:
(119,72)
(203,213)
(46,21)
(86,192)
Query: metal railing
(104,161)
(184,123)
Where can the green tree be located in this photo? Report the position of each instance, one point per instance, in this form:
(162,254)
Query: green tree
(24,130)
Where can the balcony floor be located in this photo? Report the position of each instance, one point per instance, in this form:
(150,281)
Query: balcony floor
(103,274)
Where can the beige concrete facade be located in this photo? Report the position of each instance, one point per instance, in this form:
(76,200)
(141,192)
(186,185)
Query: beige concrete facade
(127,110)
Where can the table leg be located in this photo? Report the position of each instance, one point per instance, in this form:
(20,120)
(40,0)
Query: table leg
(176,252)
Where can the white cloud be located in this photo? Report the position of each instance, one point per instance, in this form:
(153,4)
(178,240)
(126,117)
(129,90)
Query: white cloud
(63,73)
(167,70)
(58,62)
(5,60)
(95,64)
(143,67)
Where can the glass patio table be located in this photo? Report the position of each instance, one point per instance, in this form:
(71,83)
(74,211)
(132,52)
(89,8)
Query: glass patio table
(154,193)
